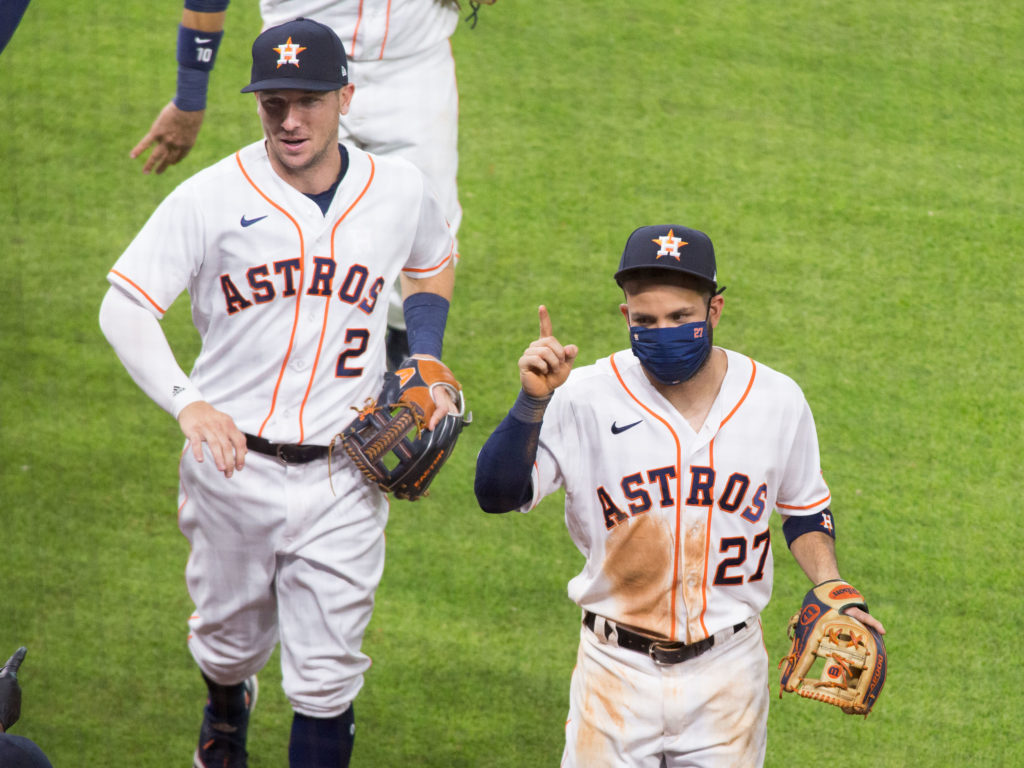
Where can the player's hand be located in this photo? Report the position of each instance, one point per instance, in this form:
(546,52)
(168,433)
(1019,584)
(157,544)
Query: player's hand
(202,423)
(445,403)
(445,400)
(545,365)
(174,133)
(866,619)
(10,691)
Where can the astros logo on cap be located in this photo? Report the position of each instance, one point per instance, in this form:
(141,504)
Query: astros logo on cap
(670,245)
(289,54)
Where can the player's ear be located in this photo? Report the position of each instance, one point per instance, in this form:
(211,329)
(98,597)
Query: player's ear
(715,314)
(345,98)
(624,309)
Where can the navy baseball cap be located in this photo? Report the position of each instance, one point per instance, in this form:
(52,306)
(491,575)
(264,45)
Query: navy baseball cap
(668,247)
(302,55)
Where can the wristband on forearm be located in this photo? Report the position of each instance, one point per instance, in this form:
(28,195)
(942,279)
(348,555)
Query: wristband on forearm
(797,525)
(197,52)
(426,315)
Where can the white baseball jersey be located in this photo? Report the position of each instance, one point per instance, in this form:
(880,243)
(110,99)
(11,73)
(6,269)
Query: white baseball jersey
(290,303)
(674,523)
(373,29)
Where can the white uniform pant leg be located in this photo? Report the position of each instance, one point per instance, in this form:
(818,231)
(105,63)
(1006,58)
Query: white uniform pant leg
(328,574)
(409,107)
(709,712)
(233,525)
(719,712)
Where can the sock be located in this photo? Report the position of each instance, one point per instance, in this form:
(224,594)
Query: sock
(322,742)
(227,702)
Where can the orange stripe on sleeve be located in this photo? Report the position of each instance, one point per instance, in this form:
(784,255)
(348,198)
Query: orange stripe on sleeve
(809,506)
(298,295)
(138,288)
(439,265)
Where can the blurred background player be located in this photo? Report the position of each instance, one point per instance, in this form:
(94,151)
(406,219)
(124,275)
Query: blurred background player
(15,751)
(672,454)
(289,249)
(407,102)
(11,12)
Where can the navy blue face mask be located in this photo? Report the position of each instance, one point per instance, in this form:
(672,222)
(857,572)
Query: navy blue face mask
(672,355)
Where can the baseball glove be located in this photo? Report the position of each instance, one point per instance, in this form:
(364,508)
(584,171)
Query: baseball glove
(389,441)
(852,654)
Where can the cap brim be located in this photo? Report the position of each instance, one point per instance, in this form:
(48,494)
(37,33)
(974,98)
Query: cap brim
(292,84)
(625,274)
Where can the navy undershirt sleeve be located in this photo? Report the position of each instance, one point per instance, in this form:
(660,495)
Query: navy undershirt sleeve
(505,463)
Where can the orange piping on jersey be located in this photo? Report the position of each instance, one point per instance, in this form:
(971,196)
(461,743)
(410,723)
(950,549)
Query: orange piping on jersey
(440,264)
(355,32)
(327,306)
(298,295)
(387,26)
(707,533)
(679,492)
(809,506)
(135,285)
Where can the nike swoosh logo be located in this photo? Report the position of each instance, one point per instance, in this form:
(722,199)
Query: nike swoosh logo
(203,40)
(249,222)
(616,429)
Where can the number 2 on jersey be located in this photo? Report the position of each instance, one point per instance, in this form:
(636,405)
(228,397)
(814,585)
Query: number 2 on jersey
(361,337)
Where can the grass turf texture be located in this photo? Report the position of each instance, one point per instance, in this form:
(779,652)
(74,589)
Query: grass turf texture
(859,169)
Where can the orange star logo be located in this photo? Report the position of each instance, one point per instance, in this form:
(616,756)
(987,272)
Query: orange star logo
(670,245)
(288,53)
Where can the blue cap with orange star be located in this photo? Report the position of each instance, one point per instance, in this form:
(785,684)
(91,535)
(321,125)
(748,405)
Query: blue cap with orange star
(668,247)
(302,55)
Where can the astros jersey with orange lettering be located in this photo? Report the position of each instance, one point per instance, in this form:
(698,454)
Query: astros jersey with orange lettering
(674,523)
(290,303)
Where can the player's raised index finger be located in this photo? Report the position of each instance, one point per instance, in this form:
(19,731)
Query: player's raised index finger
(545,321)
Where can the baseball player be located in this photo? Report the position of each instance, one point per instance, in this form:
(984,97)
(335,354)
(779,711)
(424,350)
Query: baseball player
(289,249)
(672,455)
(400,58)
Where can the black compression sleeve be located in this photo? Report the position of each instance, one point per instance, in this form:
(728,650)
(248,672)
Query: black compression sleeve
(505,462)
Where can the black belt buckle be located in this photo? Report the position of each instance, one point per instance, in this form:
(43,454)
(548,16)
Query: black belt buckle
(288,453)
(284,455)
(674,653)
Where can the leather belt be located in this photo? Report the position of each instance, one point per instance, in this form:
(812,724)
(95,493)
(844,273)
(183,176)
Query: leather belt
(286,453)
(661,651)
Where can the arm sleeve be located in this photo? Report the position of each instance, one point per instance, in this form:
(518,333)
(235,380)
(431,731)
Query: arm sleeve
(141,346)
(803,490)
(433,245)
(505,463)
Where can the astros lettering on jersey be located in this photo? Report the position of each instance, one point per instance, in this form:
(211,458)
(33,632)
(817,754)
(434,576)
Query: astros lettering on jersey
(311,287)
(674,523)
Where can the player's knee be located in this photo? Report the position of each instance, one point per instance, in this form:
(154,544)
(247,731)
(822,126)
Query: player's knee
(227,663)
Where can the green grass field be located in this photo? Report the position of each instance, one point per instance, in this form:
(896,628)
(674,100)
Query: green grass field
(859,167)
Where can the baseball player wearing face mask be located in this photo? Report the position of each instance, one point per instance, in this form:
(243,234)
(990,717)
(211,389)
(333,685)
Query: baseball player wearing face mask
(672,455)
(288,249)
